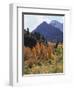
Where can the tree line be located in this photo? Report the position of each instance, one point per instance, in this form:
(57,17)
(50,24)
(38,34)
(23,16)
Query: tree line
(31,38)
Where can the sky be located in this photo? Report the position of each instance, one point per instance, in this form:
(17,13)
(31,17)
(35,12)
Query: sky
(32,21)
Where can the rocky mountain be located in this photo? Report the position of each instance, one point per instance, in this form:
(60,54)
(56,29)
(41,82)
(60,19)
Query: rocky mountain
(51,32)
(57,24)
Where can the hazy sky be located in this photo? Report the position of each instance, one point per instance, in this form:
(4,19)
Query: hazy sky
(32,21)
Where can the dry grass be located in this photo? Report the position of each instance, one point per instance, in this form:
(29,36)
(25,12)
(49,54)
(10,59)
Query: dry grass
(41,60)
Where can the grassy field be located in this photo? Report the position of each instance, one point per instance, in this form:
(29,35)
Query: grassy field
(43,59)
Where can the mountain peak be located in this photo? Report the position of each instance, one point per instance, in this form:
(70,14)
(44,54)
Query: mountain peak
(44,22)
(57,24)
(43,25)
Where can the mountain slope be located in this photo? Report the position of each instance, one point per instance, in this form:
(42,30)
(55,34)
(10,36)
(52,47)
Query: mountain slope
(57,24)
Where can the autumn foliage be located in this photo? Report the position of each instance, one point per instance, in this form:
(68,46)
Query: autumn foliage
(41,56)
(41,59)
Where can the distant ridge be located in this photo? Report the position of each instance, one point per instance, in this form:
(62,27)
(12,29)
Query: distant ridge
(57,24)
